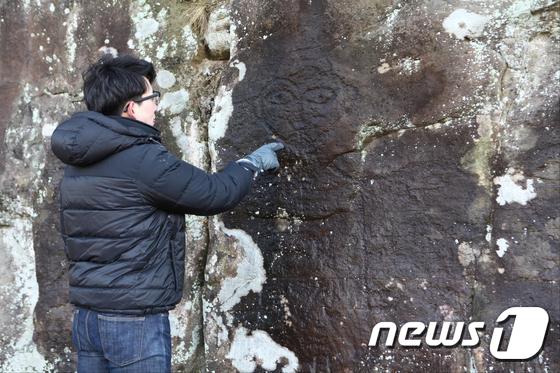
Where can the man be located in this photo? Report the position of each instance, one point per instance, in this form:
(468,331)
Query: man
(123,197)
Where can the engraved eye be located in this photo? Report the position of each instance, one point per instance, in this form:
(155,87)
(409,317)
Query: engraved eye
(280,92)
(319,95)
(280,97)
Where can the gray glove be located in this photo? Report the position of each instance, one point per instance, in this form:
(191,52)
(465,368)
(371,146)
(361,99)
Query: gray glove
(264,158)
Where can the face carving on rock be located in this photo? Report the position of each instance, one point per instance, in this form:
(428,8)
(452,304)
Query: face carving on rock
(303,107)
(299,99)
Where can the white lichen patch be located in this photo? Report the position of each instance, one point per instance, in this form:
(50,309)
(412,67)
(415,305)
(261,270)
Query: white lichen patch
(241,67)
(190,43)
(214,324)
(194,342)
(165,79)
(464,24)
(286,307)
(223,108)
(109,50)
(162,15)
(198,149)
(181,138)
(521,7)
(250,274)
(383,68)
(218,37)
(510,191)
(212,263)
(23,293)
(409,65)
(185,318)
(146,27)
(234,41)
(488,236)
(71,27)
(179,322)
(177,325)
(193,152)
(388,28)
(535,62)
(406,66)
(502,246)
(195,227)
(467,254)
(48,129)
(371,129)
(529,49)
(161,50)
(35,115)
(29,139)
(258,348)
(174,102)
(217,126)
(27,93)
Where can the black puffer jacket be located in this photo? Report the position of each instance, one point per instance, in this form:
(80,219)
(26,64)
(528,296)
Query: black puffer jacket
(122,199)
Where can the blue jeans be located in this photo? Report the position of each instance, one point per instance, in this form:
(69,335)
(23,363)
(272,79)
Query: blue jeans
(121,343)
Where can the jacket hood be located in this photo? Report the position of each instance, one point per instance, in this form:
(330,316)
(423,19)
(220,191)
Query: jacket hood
(89,137)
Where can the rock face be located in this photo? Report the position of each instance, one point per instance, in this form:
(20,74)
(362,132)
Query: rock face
(419,181)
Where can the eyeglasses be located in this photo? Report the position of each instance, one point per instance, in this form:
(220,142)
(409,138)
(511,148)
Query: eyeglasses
(154,96)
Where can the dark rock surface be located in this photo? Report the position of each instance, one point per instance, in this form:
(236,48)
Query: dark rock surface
(391,178)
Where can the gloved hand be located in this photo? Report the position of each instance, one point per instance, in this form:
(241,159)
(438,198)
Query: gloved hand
(264,158)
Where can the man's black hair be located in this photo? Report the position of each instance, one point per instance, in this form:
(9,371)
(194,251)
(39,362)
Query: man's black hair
(112,81)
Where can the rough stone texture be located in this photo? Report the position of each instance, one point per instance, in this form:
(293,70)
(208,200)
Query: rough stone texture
(419,183)
(398,131)
(45,46)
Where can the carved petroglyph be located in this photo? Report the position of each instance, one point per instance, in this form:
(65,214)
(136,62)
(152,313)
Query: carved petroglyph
(301,106)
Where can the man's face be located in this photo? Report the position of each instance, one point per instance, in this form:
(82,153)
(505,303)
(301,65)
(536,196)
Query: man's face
(144,111)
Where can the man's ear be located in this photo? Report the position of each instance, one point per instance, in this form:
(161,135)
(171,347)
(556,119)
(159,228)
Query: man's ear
(129,109)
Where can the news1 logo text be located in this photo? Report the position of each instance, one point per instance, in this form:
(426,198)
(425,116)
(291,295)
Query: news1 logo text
(526,339)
